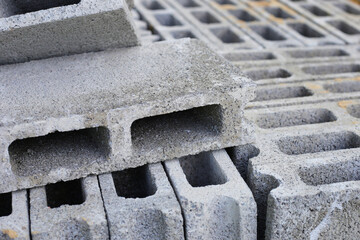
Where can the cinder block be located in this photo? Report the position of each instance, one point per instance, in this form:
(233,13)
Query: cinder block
(255,25)
(305,174)
(54,28)
(140,204)
(111,110)
(287,56)
(14,216)
(68,210)
(216,202)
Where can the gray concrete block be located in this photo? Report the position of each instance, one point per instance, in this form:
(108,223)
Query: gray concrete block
(33,31)
(111,110)
(216,202)
(258,27)
(68,210)
(305,174)
(287,56)
(140,204)
(173,20)
(14,216)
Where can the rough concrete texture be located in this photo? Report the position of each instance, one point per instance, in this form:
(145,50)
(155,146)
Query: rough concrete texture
(68,210)
(216,202)
(303,170)
(55,28)
(14,217)
(141,204)
(117,109)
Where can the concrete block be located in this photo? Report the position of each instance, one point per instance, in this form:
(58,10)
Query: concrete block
(255,25)
(14,216)
(304,170)
(216,202)
(33,31)
(140,204)
(111,110)
(68,210)
(287,56)
(327,16)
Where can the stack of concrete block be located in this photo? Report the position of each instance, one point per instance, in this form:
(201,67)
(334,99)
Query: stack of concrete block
(96,102)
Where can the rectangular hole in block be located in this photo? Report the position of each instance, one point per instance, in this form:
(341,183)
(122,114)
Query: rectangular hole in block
(240,156)
(73,149)
(282,93)
(174,129)
(268,74)
(316,10)
(65,193)
(305,30)
(182,34)
(5,204)
(344,27)
(152,5)
(354,110)
(294,118)
(332,69)
(188,3)
(134,182)
(343,87)
(167,20)
(279,13)
(243,15)
(224,2)
(268,33)
(202,170)
(317,53)
(205,17)
(331,173)
(226,35)
(347,8)
(17,7)
(249,56)
(318,143)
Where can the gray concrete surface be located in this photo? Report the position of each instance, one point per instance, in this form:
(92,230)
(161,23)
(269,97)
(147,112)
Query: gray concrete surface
(33,31)
(304,170)
(14,217)
(216,202)
(117,109)
(141,204)
(68,210)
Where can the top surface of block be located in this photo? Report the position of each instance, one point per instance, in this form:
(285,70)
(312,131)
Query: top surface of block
(41,29)
(112,79)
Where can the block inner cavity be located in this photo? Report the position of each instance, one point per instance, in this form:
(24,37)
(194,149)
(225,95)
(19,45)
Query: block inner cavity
(5,204)
(16,7)
(134,182)
(331,173)
(202,170)
(318,143)
(72,149)
(173,130)
(294,118)
(65,193)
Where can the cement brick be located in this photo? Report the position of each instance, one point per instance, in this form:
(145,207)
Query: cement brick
(304,174)
(107,111)
(253,24)
(304,72)
(141,204)
(215,200)
(14,216)
(287,56)
(68,210)
(330,19)
(62,29)
(214,26)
